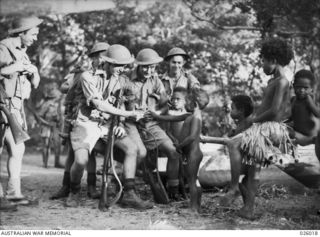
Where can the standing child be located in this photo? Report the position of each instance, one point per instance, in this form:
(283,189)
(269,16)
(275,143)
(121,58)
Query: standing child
(189,139)
(305,113)
(267,136)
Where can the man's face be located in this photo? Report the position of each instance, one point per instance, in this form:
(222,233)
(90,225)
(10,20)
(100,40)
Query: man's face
(176,64)
(113,69)
(147,71)
(302,88)
(28,37)
(268,66)
(178,100)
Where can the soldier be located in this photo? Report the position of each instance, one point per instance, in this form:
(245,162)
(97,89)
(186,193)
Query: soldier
(72,87)
(17,75)
(177,76)
(147,87)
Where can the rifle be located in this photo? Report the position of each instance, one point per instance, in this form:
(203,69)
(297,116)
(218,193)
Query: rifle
(19,135)
(108,162)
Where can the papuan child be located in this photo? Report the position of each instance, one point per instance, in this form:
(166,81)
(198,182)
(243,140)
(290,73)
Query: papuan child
(305,113)
(189,139)
(266,136)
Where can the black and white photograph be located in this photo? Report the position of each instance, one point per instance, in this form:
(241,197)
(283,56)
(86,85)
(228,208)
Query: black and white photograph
(159,115)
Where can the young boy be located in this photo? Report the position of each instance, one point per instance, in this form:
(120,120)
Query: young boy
(268,136)
(189,138)
(241,109)
(305,113)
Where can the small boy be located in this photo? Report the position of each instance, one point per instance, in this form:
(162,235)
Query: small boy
(178,103)
(189,139)
(241,108)
(266,135)
(305,113)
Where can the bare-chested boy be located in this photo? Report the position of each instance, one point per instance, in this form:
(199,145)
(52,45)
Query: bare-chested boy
(253,145)
(305,113)
(189,138)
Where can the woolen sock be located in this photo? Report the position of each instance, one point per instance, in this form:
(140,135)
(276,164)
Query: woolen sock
(66,179)
(91,179)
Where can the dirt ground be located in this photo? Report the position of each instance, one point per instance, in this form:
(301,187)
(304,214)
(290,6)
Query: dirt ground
(282,203)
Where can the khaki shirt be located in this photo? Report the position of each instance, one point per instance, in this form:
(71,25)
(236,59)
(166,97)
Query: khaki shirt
(143,89)
(19,84)
(93,84)
(186,80)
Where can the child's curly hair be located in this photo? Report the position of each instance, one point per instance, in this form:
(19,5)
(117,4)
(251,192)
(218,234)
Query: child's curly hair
(277,49)
(244,103)
(304,74)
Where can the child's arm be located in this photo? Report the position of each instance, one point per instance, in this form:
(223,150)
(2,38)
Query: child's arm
(195,130)
(271,113)
(312,106)
(104,106)
(166,117)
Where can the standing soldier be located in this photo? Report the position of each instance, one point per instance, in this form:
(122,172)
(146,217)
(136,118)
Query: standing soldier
(177,76)
(17,74)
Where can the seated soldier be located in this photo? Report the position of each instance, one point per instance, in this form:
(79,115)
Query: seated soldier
(145,84)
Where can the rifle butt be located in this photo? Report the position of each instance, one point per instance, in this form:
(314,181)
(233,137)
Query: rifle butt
(103,198)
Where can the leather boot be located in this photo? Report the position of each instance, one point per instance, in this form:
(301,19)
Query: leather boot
(65,189)
(131,199)
(62,193)
(5,205)
(93,193)
(73,199)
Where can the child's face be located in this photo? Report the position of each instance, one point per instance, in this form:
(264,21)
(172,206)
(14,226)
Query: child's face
(235,114)
(178,100)
(268,66)
(302,88)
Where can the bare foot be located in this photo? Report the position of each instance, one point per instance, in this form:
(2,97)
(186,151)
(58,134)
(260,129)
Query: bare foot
(229,198)
(246,213)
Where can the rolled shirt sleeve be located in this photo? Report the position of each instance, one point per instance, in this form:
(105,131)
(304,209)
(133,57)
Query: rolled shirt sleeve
(192,82)
(5,59)
(90,87)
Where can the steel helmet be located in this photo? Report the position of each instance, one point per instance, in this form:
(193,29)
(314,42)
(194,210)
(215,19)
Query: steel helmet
(118,54)
(98,47)
(24,23)
(148,57)
(176,51)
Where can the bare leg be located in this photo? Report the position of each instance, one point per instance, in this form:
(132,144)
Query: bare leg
(195,191)
(235,162)
(130,198)
(251,186)
(45,151)
(14,165)
(172,168)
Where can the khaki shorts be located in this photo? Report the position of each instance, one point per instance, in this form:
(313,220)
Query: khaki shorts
(152,135)
(85,134)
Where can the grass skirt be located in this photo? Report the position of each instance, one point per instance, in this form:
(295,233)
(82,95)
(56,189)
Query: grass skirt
(266,141)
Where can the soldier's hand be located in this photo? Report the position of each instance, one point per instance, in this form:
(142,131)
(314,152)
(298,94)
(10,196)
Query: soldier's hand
(138,114)
(119,132)
(31,68)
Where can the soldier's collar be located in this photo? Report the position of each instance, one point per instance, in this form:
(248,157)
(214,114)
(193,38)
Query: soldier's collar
(166,76)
